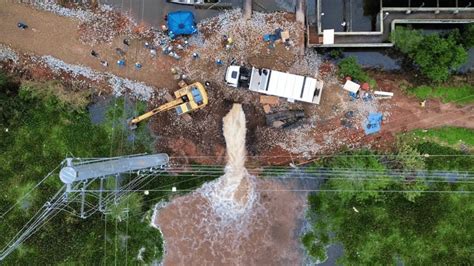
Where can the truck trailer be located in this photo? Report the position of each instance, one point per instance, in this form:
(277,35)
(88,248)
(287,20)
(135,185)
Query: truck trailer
(276,83)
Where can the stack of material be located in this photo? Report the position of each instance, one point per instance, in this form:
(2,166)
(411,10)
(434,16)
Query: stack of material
(284,119)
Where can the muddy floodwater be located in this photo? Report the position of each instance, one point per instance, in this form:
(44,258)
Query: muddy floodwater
(236,219)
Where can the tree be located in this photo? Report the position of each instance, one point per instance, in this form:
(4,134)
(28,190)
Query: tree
(406,40)
(468,36)
(436,56)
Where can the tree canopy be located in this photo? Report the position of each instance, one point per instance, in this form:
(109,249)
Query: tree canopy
(380,228)
(435,55)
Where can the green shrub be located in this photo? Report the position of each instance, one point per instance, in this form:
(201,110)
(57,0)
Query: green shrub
(348,67)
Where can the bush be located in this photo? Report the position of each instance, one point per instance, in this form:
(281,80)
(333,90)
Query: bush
(349,67)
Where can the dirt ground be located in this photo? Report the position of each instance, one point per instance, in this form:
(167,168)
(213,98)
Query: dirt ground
(201,140)
(58,36)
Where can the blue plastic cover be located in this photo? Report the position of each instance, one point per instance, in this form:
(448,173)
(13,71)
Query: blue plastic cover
(181,23)
(374,122)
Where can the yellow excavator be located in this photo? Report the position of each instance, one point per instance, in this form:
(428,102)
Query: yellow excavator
(187,99)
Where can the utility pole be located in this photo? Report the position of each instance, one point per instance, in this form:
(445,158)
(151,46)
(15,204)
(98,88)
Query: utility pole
(247,9)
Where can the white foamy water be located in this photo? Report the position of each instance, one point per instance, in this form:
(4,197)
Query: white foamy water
(233,194)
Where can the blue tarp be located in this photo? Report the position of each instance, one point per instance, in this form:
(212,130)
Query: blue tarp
(373,123)
(181,23)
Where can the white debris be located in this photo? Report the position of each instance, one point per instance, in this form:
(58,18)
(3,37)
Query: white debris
(75,70)
(119,85)
(308,65)
(247,40)
(138,89)
(79,14)
(8,54)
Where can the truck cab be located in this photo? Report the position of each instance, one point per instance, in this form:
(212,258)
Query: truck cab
(237,76)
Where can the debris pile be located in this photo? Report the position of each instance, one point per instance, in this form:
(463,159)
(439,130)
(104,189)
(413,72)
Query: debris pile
(7,54)
(75,13)
(212,44)
(104,26)
(61,69)
(75,71)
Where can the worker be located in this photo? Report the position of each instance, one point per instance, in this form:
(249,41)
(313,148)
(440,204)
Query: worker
(344,25)
(164,28)
(104,63)
(126,42)
(94,53)
(138,66)
(195,55)
(207,84)
(121,62)
(153,52)
(147,45)
(22,25)
(219,62)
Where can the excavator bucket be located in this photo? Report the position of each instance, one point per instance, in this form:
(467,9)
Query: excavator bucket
(131,126)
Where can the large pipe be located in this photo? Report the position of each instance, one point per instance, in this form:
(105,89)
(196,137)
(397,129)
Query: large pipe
(247,9)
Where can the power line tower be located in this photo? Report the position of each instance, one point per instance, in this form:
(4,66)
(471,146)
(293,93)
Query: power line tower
(90,185)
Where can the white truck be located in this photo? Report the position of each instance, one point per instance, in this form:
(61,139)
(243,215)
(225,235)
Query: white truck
(276,83)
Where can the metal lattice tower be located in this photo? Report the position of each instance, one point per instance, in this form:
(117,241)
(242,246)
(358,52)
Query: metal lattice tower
(85,189)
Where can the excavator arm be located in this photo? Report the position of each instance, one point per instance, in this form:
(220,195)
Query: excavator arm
(162,108)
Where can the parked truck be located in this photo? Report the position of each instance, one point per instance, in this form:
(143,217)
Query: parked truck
(276,83)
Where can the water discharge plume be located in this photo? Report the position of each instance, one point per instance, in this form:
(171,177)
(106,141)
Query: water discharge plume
(226,222)
(233,194)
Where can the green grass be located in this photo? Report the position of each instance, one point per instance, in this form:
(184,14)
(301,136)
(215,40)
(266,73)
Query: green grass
(446,136)
(459,95)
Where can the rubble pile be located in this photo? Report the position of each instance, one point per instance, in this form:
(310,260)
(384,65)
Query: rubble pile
(246,35)
(99,25)
(7,54)
(75,71)
(104,26)
(307,65)
(82,73)
(75,13)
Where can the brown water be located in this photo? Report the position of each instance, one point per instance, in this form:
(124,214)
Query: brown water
(236,219)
